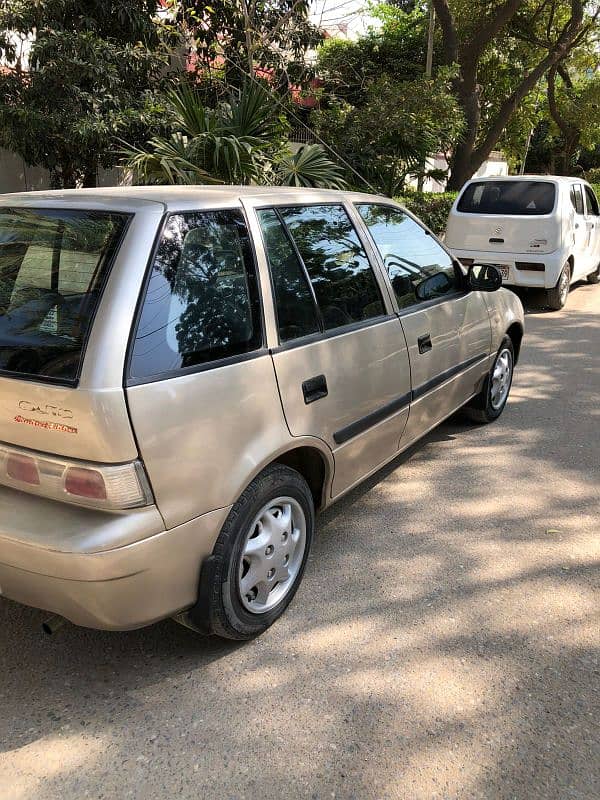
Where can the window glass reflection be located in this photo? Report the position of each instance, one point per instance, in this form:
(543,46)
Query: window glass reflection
(202,302)
(410,255)
(339,270)
(296,311)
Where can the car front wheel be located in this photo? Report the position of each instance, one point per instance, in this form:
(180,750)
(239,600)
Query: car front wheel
(260,555)
(489,403)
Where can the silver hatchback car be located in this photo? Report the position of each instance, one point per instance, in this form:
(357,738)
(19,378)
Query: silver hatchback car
(188,374)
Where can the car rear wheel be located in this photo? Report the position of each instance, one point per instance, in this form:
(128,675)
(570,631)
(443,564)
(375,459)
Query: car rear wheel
(260,555)
(557,297)
(490,402)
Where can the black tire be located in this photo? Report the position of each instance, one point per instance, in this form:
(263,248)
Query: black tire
(482,409)
(227,616)
(594,277)
(557,296)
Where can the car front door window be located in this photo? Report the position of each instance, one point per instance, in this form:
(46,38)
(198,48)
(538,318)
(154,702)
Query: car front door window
(418,268)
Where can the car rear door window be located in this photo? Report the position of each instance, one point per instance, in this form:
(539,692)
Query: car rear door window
(202,302)
(297,313)
(591,202)
(341,275)
(577,198)
(410,254)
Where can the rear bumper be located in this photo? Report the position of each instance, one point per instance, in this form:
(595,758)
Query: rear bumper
(116,587)
(540,279)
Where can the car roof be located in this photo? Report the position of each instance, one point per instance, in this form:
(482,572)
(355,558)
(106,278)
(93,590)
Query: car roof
(132,198)
(537,178)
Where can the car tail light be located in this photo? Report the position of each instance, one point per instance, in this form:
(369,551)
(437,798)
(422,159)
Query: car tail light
(112,487)
(23,469)
(84,482)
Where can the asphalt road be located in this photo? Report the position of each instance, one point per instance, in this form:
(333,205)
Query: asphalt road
(445,642)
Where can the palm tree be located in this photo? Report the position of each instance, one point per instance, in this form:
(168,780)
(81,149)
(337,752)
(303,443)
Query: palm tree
(241,141)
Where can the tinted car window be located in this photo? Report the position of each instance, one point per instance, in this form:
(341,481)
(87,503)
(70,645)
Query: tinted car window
(53,266)
(508,197)
(296,310)
(341,275)
(577,198)
(411,255)
(202,302)
(591,202)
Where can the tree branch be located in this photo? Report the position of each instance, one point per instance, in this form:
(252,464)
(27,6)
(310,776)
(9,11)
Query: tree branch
(490,29)
(449,32)
(564,74)
(558,52)
(562,124)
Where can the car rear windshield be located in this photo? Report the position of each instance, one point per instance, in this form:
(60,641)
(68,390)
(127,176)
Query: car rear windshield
(53,265)
(528,198)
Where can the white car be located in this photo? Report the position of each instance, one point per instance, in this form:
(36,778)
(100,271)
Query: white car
(539,231)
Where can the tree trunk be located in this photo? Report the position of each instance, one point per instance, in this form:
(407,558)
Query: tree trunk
(461,169)
(55,179)
(570,134)
(90,178)
(461,160)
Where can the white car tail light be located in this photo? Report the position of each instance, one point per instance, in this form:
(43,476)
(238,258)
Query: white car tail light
(111,487)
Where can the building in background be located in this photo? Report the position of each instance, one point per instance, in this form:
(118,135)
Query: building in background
(495,165)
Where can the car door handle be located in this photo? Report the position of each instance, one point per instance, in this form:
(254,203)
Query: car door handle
(424,343)
(314,389)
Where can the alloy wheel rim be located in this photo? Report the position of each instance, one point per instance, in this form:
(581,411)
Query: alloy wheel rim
(501,379)
(272,555)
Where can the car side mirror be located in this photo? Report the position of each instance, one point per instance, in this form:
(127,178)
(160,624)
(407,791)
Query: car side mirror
(484,277)
(433,286)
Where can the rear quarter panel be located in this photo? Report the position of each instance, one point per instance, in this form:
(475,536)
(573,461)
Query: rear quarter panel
(89,421)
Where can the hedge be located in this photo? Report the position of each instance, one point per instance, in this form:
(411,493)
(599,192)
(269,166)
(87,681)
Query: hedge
(432,207)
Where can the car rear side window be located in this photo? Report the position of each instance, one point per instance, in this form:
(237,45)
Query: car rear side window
(527,198)
(341,275)
(577,198)
(202,302)
(53,267)
(297,313)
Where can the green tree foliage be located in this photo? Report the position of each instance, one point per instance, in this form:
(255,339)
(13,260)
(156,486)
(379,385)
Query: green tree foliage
(83,73)
(378,108)
(519,41)
(432,207)
(396,49)
(566,138)
(234,37)
(243,140)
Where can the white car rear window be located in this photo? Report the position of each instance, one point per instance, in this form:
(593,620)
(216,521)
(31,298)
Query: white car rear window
(527,198)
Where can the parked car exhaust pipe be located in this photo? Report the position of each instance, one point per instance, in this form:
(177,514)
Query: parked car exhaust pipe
(51,625)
